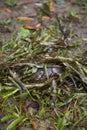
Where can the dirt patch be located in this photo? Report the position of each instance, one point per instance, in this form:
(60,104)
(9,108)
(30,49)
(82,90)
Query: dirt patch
(11,25)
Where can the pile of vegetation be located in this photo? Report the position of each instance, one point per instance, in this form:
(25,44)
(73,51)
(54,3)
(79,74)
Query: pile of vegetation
(35,69)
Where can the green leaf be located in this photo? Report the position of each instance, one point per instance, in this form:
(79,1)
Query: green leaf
(1,87)
(7,117)
(10,93)
(23,33)
(15,123)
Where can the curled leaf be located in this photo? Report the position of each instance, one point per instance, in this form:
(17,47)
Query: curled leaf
(25,19)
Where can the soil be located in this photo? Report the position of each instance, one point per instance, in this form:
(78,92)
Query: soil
(26,8)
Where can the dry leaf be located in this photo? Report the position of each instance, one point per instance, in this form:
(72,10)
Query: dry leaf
(29,27)
(7,10)
(25,19)
(51,5)
(1,58)
(34,125)
(38,26)
(53,54)
(45,18)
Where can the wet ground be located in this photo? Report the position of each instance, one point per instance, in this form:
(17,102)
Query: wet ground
(26,8)
(10,26)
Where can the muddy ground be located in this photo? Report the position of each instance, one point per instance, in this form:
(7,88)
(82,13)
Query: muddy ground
(10,27)
(26,8)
